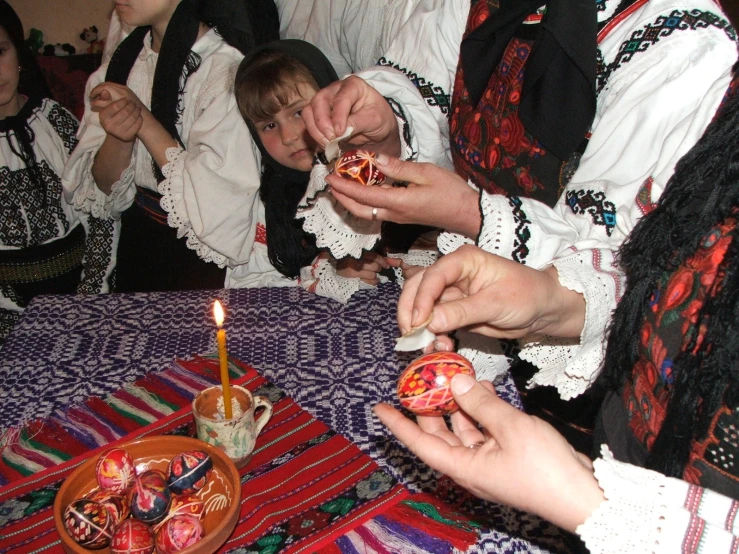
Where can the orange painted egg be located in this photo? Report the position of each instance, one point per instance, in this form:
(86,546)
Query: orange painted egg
(423,388)
(359,166)
(115,470)
(133,537)
(178,533)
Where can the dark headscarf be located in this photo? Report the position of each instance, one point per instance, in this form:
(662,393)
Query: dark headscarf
(703,192)
(232,20)
(31,84)
(289,247)
(558,98)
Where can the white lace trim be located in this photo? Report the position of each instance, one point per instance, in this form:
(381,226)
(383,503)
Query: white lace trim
(89,198)
(334,227)
(567,364)
(640,507)
(449,242)
(420,258)
(496,217)
(173,203)
(486,355)
(322,279)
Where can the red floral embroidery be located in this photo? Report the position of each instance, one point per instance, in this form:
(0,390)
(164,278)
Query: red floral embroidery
(672,325)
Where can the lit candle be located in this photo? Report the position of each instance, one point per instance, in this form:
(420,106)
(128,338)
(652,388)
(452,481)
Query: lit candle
(223,358)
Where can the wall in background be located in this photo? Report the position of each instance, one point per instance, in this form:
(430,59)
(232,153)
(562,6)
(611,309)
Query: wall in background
(63,20)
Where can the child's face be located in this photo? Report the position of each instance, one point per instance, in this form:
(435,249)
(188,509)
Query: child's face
(139,13)
(285,137)
(9,99)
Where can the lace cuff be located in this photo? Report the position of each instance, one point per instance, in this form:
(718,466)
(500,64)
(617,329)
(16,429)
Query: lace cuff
(333,225)
(496,234)
(420,258)
(173,202)
(321,278)
(648,513)
(486,354)
(568,364)
(88,198)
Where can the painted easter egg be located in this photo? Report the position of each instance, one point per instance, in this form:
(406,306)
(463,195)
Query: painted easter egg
(133,537)
(115,470)
(116,504)
(150,497)
(89,523)
(423,387)
(178,533)
(359,166)
(189,471)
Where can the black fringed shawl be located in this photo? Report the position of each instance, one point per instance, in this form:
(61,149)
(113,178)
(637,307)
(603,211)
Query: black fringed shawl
(703,192)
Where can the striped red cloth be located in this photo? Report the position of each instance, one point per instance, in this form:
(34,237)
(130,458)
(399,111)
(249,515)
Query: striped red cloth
(306,488)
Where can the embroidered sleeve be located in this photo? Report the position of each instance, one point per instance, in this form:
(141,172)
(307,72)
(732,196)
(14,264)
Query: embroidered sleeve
(321,278)
(80,189)
(623,171)
(420,80)
(648,513)
(210,187)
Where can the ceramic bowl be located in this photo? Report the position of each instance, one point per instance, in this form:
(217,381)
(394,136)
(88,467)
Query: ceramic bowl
(221,495)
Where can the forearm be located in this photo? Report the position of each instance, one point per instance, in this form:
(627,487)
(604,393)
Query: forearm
(111,160)
(564,314)
(156,139)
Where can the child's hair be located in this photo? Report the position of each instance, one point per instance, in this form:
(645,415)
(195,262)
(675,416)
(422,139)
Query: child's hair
(266,82)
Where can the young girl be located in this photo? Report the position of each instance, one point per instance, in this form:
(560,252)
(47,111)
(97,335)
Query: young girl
(273,85)
(46,247)
(163,147)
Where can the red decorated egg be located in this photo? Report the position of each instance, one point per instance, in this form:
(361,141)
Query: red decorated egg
(178,533)
(189,471)
(89,523)
(423,388)
(133,537)
(115,470)
(116,504)
(359,166)
(150,497)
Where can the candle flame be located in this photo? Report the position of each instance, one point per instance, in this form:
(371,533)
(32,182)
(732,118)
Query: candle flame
(218,313)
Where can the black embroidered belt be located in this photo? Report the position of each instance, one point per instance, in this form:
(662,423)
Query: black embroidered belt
(46,261)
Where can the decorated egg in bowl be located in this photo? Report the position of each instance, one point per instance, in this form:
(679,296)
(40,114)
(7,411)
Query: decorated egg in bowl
(424,386)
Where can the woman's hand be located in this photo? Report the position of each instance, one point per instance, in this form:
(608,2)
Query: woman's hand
(522,461)
(490,295)
(122,120)
(365,268)
(107,93)
(434,196)
(353,103)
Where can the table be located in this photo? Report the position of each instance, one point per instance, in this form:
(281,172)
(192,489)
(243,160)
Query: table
(336,361)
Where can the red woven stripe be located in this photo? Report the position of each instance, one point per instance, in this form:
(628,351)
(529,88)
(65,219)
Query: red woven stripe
(155,385)
(102,408)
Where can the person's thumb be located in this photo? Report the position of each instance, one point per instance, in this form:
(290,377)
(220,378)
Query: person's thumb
(395,168)
(482,405)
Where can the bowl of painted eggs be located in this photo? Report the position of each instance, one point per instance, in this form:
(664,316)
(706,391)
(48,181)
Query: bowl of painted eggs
(424,387)
(162,494)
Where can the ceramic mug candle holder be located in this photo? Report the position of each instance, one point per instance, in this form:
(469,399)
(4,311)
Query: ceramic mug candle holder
(235,436)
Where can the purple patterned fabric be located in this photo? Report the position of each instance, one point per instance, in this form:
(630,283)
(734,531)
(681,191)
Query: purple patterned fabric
(336,361)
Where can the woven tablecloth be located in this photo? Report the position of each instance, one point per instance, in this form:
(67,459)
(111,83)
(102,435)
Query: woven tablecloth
(336,361)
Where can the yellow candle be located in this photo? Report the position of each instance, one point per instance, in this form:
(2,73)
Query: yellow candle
(223,358)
